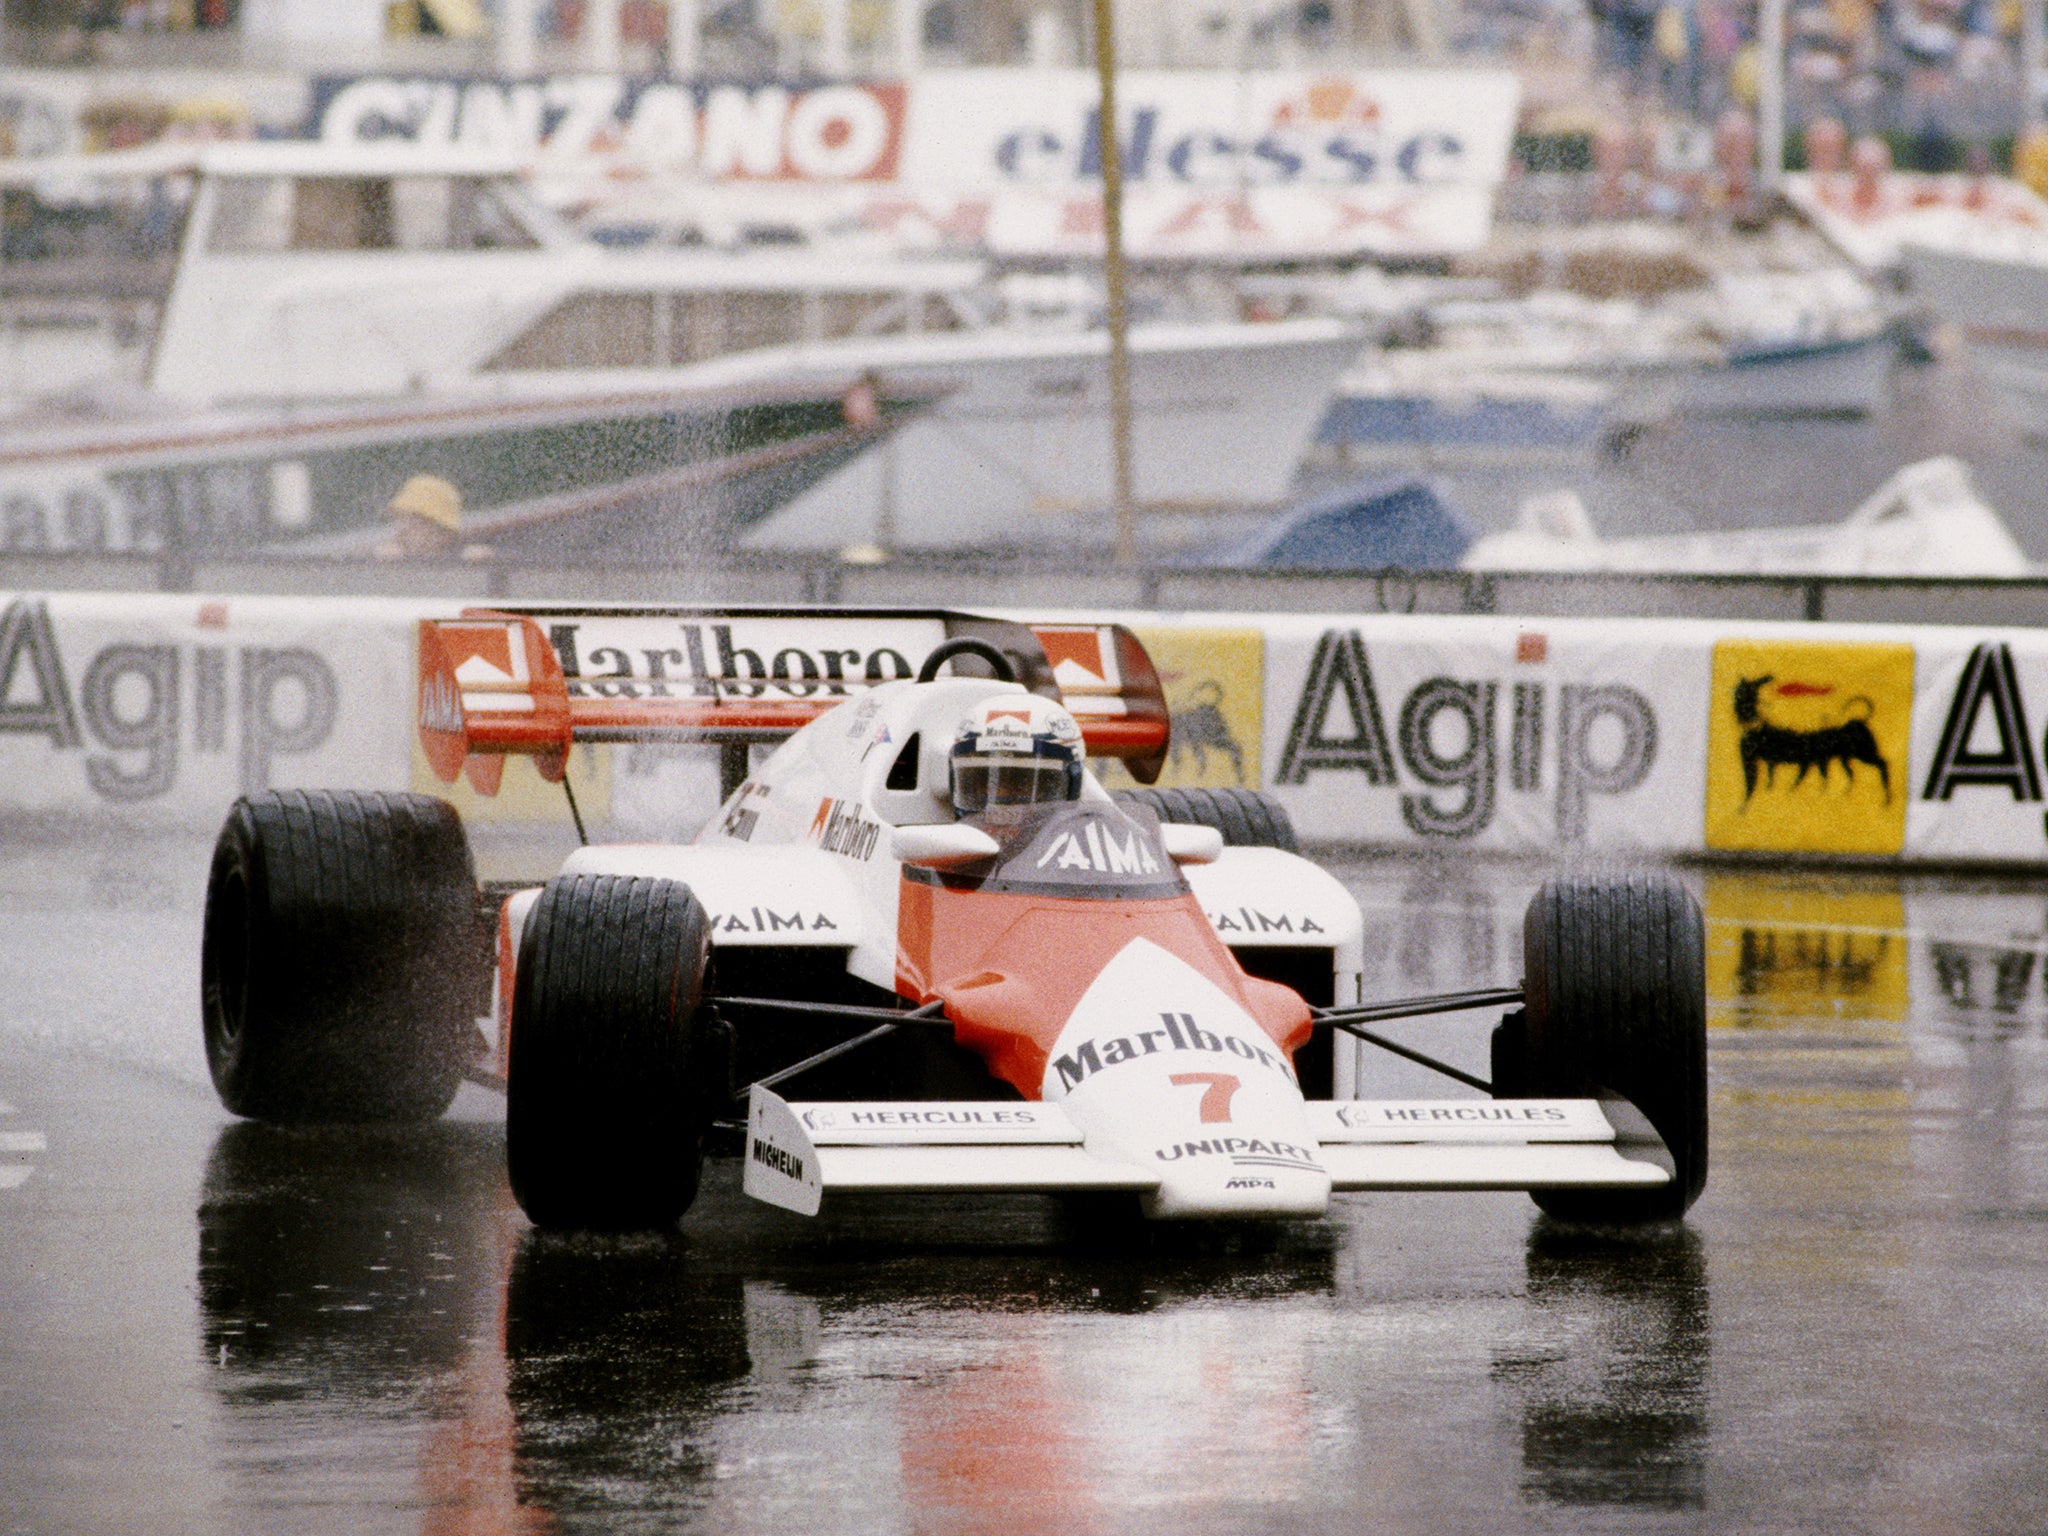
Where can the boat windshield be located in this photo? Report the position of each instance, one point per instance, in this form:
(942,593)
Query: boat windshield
(1084,849)
(270,214)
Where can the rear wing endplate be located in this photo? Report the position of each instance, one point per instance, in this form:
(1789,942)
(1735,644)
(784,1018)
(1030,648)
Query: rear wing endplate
(534,681)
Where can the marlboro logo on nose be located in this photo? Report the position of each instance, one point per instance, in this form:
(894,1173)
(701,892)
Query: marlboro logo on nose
(1009,714)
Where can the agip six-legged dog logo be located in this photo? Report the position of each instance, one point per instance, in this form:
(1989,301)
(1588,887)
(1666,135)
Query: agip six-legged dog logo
(1769,747)
(1804,740)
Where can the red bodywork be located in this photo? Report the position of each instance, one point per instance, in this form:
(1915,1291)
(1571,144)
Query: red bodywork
(1011,968)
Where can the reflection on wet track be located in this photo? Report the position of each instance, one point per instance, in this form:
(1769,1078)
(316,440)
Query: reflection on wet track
(366,1335)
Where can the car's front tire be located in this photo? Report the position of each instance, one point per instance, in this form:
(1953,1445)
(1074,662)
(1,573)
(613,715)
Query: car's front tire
(613,1071)
(339,966)
(1616,1008)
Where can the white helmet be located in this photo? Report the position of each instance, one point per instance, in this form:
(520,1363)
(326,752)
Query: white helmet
(1016,749)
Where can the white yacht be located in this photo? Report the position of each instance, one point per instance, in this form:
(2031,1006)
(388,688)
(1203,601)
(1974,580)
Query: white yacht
(320,331)
(312,277)
(1926,520)
(311,273)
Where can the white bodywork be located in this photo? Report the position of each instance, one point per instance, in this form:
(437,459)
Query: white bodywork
(796,1152)
(1158,1082)
(1927,520)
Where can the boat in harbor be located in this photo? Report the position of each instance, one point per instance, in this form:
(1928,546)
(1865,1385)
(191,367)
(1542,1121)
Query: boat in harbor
(1557,355)
(1992,286)
(300,336)
(1926,520)
(128,476)
(315,277)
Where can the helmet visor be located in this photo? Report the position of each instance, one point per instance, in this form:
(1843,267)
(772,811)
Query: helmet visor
(981,782)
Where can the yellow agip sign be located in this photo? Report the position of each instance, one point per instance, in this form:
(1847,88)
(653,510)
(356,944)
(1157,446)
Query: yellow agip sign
(1806,746)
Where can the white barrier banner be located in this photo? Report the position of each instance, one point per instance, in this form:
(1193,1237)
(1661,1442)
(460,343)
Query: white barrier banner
(161,707)
(1511,735)
(1978,762)
(1487,733)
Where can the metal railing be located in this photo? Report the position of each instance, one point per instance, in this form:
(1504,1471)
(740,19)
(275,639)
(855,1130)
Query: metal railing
(990,581)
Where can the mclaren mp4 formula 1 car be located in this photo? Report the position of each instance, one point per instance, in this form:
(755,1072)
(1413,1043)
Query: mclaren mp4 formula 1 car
(918,948)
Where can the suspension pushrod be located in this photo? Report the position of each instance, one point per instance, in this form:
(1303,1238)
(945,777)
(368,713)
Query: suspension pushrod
(930,1013)
(833,1052)
(1415,1056)
(828,1054)
(1420,1007)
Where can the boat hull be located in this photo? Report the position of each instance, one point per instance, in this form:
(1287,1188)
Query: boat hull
(1016,451)
(2001,307)
(1836,378)
(317,481)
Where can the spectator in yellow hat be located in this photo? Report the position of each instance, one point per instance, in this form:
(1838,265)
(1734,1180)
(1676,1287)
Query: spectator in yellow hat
(426,522)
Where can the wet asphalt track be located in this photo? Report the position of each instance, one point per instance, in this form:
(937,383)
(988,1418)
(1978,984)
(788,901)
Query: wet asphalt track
(215,1327)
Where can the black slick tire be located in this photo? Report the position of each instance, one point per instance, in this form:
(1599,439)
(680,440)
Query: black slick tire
(1247,818)
(1616,1008)
(340,972)
(611,1075)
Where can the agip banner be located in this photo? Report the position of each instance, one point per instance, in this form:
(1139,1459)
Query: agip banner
(158,708)
(1528,736)
(1488,733)
(1978,752)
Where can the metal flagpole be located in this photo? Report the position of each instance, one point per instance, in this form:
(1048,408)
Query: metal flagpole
(1770,95)
(2031,63)
(1113,278)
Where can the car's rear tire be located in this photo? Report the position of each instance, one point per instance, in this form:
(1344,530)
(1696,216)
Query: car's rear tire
(1616,1008)
(1247,818)
(613,1069)
(340,973)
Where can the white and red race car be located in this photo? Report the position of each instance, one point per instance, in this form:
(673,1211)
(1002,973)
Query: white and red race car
(858,988)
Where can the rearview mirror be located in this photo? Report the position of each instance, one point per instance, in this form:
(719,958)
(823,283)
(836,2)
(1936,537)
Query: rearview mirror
(1188,844)
(942,846)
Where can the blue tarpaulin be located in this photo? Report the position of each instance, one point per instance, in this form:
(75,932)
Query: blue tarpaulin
(1368,526)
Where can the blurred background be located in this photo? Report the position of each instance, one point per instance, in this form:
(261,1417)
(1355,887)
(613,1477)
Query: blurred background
(444,293)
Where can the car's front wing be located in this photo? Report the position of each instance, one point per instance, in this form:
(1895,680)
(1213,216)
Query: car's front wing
(798,1153)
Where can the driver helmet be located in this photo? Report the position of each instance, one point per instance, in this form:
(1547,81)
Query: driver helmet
(1016,749)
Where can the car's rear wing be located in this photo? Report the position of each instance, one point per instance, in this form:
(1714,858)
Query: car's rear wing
(534,681)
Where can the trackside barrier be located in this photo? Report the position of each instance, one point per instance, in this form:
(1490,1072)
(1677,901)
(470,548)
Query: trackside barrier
(936,580)
(1669,737)
(1524,735)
